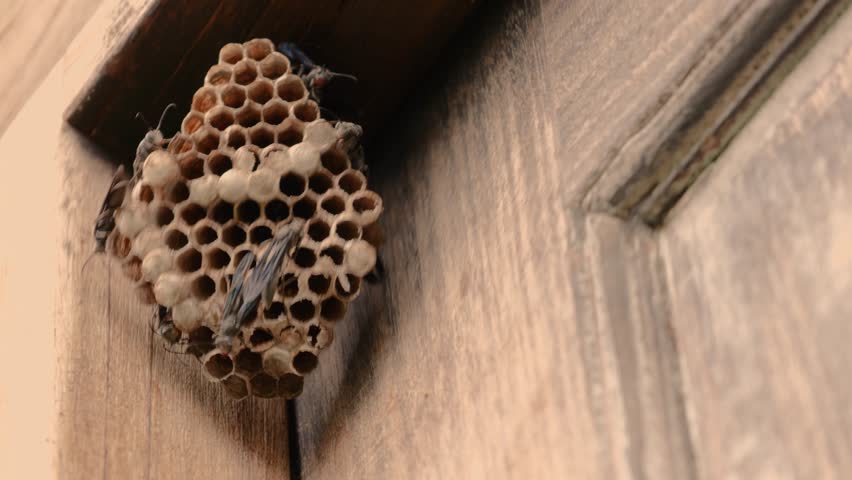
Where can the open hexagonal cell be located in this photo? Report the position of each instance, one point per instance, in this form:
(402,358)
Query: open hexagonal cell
(146,193)
(351,181)
(248,362)
(248,211)
(290,385)
(333,204)
(354,285)
(221,212)
(219,163)
(231,53)
(347,230)
(219,365)
(192,122)
(175,239)
(189,261)
(303,310)
(364,203)
(260,234)
(274,311)
(261,135)
(181,143)
(332,309)
(290,88)
(192,213)
(305,257)
(200,341)
(276,210)
(304,362)
(238,257)
(218,259)
(234,235)
(204,99)
(318,230)
(263,385)
(274,65)
(320,182)
(234,96)
(205,234)
(206,140)
(218,75)
(178,192)
(307,111)
(334,161)
(236,136)
(249,115)
(164,215)
(121,245)
(236,387)
(245,72)
(319,284)
(203,287)
(305,208)
(261,91)
(335,253)
(220,118)
(289,133)
(275,112)
(258,48)
(292,184)
(261,338)
(289,285)
(191,166)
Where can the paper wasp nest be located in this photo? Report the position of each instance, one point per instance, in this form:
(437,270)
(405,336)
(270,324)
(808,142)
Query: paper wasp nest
(252,155)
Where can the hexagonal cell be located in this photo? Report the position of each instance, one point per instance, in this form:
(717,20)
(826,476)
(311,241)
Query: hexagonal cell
(261,91)
(205,234)
(221,212)
(290,88)
(290,385)
(133,269)
(191,167)
(292,184)
(274,311)
(181,143)
(238,257)
(219,365)
(289,133)
(260,234)
(305,208)
(220,118)
(189,261)
(261,339)
(307,111)
(201,341)
(219,163)
(320,182)
(234,235)
(274,65)
(218,75)
(319,284)
(332,309)
(289,286)
(318,230)
(192,213)
(261,135)
(364,203)
(164,215)
(218,259)
(304,362)
(146,193)
(258,48)
(175,239)
(276,210)
(319,336)
(245,72)
(234,96)
(275,112)
(204,99)
(178,193)
(192,122)
(248,211)
(236,136)
(263,385)
(303,310)
(249,115)
(231,53)
(351,181)
(333,204)
(206,140)
(354,285)
(121,245)
(203,287)
(347,230)
(248,362)
(334,161)
(335,253)
(235,386)
(305,257)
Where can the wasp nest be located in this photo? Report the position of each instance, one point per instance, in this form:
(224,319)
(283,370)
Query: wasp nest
(252,155)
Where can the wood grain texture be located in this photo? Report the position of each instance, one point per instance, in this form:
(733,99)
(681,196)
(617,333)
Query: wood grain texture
(98,396)
(514,336)
(33,36)
(759,255)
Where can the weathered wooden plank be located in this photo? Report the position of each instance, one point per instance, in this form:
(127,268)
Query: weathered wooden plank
(759,255)
(513,337)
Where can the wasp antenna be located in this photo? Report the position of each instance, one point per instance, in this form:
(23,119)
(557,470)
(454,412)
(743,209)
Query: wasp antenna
(139,116)
(163,115)
(344,75)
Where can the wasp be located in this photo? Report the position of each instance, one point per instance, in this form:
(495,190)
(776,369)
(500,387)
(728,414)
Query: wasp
(151,141)
(316,77)
(230,324)
(105,221)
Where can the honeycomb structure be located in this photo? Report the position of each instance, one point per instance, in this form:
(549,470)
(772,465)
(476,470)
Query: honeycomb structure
(252,155)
